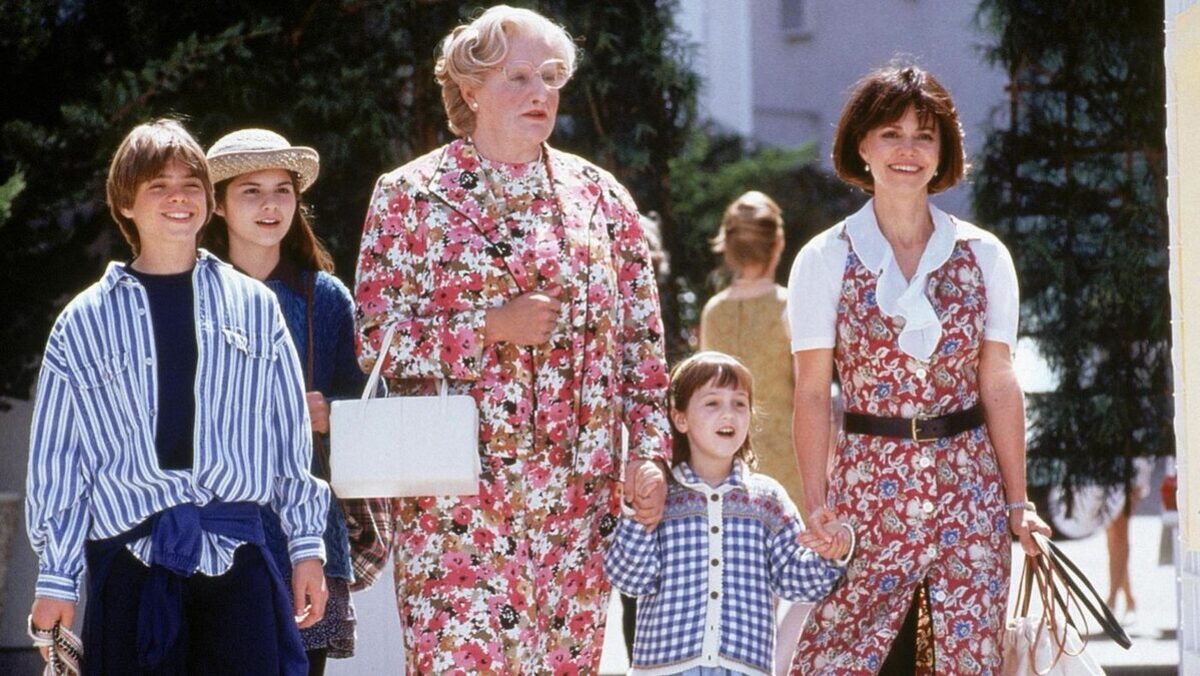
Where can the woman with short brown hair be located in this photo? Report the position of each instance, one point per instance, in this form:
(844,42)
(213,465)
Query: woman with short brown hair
(917,311)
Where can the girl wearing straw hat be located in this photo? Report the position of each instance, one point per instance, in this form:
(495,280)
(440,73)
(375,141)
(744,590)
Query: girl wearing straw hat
(261,227)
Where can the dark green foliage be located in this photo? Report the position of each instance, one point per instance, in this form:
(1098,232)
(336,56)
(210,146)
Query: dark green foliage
(715,169)
(352,78)
(1076,186)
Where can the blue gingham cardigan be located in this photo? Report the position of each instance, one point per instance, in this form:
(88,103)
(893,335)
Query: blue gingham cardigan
(706,576)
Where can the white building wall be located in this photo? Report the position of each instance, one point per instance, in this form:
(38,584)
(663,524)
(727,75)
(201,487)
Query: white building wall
(22,564)
(1183,186)
(801,76)
(720,29)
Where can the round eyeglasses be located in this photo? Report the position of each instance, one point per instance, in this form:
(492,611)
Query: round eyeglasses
(520,74)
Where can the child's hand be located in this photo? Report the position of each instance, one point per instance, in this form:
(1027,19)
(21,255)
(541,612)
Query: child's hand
(831,550)
(649,478)
(646,491)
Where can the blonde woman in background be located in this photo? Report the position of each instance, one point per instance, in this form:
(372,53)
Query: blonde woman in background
(747,321)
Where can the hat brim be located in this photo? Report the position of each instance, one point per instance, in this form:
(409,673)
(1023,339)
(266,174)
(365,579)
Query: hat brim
(305,162)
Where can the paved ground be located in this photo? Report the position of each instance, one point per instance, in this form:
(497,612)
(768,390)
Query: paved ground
(1154,644)
(1154,651)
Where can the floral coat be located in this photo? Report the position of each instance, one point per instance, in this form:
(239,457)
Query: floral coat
(512,580)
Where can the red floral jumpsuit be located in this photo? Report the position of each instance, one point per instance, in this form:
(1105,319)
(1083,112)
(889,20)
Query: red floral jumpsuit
(928,512)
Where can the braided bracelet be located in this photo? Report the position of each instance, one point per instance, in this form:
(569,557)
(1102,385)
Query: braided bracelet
(1023,504)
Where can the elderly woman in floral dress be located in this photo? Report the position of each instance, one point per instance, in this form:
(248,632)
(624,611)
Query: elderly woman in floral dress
(520,274)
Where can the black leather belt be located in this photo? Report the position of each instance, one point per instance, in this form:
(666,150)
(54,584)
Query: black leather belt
(918,429)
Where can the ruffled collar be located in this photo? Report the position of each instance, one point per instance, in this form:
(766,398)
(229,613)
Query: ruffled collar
(907,300)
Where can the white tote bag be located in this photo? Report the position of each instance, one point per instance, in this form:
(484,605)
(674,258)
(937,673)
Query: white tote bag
(404,446)
(1030,649)
(1047,643)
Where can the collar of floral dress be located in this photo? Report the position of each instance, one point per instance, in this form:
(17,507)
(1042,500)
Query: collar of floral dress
(458,181)
(896,296)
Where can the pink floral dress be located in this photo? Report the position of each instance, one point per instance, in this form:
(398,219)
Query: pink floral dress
(929,512)
(511,581)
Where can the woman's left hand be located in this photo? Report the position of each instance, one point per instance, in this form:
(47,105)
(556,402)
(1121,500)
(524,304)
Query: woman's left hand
(1024,522)
(318,411)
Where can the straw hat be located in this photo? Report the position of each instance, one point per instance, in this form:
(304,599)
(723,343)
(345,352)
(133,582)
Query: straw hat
(248,150)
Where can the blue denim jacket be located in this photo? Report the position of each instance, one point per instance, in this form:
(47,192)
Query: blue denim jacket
(336,374)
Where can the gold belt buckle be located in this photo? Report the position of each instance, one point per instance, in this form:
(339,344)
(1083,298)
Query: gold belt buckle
(915,432)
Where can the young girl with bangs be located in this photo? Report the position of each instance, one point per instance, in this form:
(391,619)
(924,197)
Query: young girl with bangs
(729,541)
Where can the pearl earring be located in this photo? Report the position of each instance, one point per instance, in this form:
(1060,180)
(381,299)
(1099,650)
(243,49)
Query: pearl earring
(867,167)
(474,106)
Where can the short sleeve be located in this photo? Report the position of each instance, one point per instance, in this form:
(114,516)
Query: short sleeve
(1003,297)
(813,287)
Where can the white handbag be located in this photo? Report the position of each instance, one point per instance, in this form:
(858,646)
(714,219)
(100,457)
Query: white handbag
(1033,648)
(404,446)
(1049,643)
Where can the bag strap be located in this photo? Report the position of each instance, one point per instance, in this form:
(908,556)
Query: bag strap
(1081,589)
(1055,629)
(65,650)
(377,369)
(1025,588)
(308,312)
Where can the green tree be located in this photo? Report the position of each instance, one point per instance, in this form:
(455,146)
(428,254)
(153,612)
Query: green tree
(1076,186)
(714,169)
(352,78)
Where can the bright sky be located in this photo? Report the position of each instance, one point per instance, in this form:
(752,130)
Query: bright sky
(1032,371)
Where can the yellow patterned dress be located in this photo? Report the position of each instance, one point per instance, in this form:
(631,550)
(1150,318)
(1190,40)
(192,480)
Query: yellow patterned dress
(754,330)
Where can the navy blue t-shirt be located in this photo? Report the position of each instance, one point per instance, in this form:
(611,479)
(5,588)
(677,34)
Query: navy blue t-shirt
(173,321)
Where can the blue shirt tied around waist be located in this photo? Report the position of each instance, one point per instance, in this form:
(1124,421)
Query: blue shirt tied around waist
(93,467)
(335,374)
(177,541)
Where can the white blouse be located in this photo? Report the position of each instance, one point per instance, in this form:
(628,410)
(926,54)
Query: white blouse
(816,282)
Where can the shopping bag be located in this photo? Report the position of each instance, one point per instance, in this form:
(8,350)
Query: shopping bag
(1047,641)
(404,446)
(1031,650)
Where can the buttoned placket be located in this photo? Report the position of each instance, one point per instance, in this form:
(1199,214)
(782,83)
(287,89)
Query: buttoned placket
(141,304)
(924,460)
(200,319)
(711,649)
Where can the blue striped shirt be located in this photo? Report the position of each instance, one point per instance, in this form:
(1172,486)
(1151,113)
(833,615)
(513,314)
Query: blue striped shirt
(93,469)
(706,577)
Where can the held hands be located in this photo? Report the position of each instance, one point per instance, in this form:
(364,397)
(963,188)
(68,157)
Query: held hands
(827,529)
(1023,522)
(646,490)
(318,411)
(830,550)
(46,613)
(528,319)
(308,592)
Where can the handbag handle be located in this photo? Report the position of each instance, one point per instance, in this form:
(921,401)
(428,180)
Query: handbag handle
(1082,591)
(377,370)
